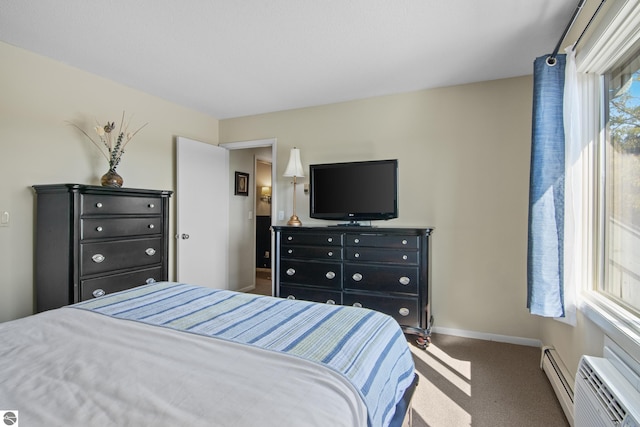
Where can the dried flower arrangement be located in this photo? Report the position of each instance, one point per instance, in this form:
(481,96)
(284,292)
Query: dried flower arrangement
(112,146)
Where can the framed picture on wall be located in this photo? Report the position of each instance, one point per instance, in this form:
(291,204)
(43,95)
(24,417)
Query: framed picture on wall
(242,184)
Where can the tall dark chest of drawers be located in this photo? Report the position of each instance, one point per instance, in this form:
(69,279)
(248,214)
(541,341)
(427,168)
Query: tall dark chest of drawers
(385,269)
(93,240)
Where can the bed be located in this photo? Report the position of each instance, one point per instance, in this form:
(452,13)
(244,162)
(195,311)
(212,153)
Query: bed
(177,354)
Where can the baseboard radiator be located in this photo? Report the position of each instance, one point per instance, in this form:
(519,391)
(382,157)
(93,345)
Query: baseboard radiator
(607,389)
(560,380)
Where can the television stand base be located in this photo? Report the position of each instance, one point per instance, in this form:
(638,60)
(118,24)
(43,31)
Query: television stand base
(351,224)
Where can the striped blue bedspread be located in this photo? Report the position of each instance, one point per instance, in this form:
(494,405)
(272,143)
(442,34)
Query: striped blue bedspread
(365,346)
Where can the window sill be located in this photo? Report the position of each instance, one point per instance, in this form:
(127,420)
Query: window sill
(618,324)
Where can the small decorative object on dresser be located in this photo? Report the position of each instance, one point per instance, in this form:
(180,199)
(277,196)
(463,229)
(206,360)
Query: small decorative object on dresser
(93,240)
(111,179)
(296,170)
(111,147)
(384,269)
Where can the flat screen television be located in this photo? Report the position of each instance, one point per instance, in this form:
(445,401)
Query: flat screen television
(354,191)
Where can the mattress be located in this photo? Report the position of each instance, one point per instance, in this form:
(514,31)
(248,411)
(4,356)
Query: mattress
(178,354)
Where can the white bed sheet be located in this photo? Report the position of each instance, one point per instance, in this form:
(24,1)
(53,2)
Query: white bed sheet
(70,367)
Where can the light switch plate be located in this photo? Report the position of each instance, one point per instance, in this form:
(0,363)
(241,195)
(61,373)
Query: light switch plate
(4,219)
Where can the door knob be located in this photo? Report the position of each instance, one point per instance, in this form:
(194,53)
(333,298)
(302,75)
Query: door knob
(184,236)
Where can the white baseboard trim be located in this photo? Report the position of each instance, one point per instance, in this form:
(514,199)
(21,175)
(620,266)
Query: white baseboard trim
(246,288)
(530,342)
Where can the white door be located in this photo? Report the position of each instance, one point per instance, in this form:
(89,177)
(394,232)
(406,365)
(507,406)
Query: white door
(202,200)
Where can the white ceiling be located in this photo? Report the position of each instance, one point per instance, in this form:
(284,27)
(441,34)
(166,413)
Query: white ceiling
(232,58)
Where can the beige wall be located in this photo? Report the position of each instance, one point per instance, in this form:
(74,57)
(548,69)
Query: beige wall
(464,168)
(37,97)
(572,342)
(464,162)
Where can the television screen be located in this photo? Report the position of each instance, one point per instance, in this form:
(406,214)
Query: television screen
(354,191)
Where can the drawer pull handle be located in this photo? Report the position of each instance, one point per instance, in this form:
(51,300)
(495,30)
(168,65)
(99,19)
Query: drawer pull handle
(98,205)
(151,206)
(404,257)
(150,251)
(404,311)
(330,239)
(330,275)
(98,293)
(357,304)
(150,280)
(289,238)
(356,255)
(151,226)
(404,280)
(404,242)
(356,240)
(98,258)
(291,271)
(330,253)
(290,251)
(98,228)
(291,297)
(357,277)
(331,302)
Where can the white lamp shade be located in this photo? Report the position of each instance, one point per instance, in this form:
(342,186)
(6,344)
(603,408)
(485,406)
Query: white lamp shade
(294,167)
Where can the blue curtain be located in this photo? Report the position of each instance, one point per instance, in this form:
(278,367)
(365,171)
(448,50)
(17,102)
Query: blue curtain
(545,293)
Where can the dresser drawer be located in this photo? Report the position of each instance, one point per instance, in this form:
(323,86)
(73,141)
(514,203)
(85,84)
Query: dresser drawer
(96,228)
(311,239)
(384,269)
(380,278)
(311,294)
(396,256)
(120,254)
(96,204)
(325,274)
(312,252)
(404,310)
(93,288)
(383,241)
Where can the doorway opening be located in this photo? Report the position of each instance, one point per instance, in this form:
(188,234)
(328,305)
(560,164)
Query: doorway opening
(250,260)
(263,187)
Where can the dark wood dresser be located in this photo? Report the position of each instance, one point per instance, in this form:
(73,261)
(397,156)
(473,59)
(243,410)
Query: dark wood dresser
(93,240)
(384,269)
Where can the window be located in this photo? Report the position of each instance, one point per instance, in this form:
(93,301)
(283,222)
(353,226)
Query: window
(620,221)
(608,65)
